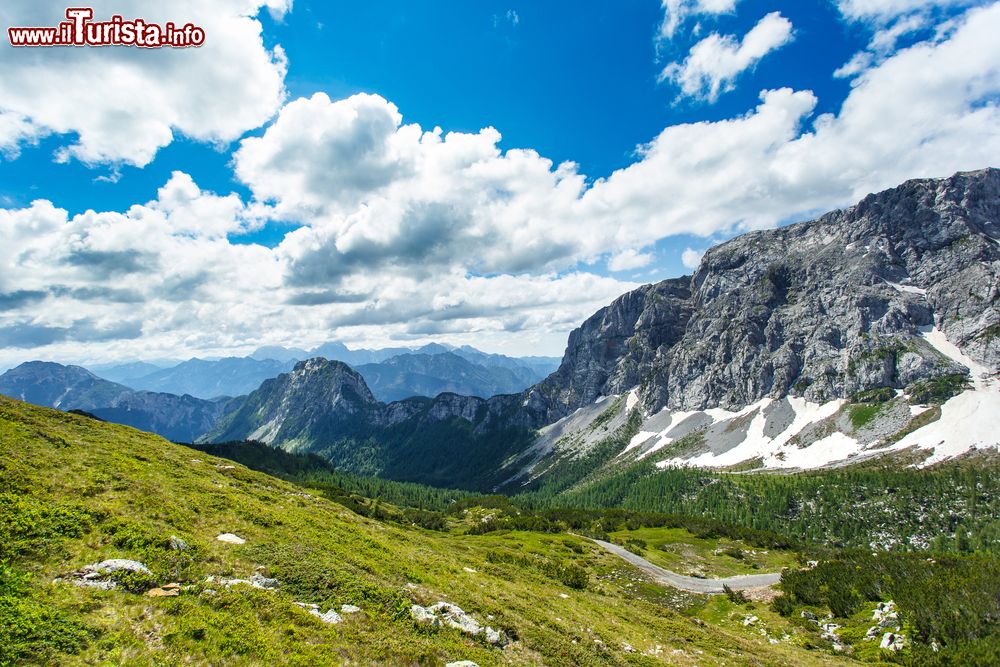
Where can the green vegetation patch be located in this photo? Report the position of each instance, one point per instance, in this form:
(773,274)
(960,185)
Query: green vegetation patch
(569,573)
(937,390)
(680,550)
(948,606)
(954,506)
(113,492)
(877,395)
(32,629)
(29,524)
(864,413)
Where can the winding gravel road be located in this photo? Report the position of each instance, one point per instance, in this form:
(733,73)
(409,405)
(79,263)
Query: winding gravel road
(692,584)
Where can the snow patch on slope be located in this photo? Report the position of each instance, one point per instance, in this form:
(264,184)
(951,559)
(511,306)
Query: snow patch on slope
(787,433)
(775,450)
(831,449)
(910,289)
(968,421)
(632,400)
(670,420)
(966,424)
(638,439)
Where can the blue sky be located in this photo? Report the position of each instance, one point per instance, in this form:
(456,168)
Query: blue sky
(685,121)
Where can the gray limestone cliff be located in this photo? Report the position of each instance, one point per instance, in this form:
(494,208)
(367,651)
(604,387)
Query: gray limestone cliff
(821,309)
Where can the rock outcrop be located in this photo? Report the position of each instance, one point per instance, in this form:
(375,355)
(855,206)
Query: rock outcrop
(106,574)
(822,309)
(452,616)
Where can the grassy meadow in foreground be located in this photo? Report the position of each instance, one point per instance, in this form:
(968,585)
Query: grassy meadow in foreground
(76,491)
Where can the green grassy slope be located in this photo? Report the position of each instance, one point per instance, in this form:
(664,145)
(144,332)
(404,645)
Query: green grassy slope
(75,491)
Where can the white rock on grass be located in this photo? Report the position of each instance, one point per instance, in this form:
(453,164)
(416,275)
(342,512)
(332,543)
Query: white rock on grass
(255,580)
(445,613)
(230,538)
(260,581)
(424,616)
(116,564)
(330,616)
(100,584)
(349,609)
(100,575)
(892,641)
(453,616)
(886,616)
(462,663)
(495,637)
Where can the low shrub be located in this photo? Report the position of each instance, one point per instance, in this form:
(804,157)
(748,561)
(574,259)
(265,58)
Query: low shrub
(736,597)
(937,390)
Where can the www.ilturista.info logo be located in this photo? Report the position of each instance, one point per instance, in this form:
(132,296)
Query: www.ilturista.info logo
(79,30)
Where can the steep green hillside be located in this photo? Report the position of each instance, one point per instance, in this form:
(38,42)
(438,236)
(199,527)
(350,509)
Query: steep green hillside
(74,491)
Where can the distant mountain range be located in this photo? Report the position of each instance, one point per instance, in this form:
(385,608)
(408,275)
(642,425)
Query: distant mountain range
(180,418)
(326,407)
(408,375)
(231,376)
(392,373)
(183,401)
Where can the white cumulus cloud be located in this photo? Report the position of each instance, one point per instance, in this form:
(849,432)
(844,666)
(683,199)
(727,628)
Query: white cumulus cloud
(715,62)
(928,110)
(629,259)
(887,10)
(676,12)
(691,258)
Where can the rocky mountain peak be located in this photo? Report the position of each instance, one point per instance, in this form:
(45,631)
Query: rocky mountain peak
(318,395)
(331,377)
(821,309)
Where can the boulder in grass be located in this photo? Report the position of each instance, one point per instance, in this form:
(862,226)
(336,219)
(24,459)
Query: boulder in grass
(446,613)
(331,616)
(495,637)
(104,575)
(260,581)
(453,616)
(163,592)
(113,565)
(424,616)
(892,641)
